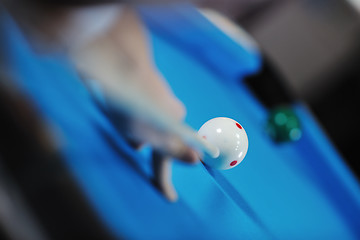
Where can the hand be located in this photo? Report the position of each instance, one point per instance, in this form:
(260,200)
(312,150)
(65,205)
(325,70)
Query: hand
(120,59)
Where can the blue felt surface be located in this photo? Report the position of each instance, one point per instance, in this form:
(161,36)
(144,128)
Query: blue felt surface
(303,185)
(300,190)
(184,26)
(268,186)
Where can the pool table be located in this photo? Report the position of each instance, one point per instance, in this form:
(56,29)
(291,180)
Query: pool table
(294,190)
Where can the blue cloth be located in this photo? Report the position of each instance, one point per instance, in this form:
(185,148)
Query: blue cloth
(189,30)
(272,186)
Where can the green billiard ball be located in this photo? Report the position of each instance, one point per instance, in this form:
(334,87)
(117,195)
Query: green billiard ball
(283,125)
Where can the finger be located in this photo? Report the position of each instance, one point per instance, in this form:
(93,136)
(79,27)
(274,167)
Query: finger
(162,176)
(163,141)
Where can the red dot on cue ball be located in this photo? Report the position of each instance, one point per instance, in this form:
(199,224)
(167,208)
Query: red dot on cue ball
(233,163)
(238,125)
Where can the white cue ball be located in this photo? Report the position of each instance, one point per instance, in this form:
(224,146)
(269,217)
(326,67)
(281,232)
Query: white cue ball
(229,137)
